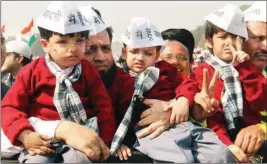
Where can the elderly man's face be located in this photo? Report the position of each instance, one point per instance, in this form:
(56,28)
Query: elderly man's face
(176,54)
(255,46)
(100,53)
(3,49)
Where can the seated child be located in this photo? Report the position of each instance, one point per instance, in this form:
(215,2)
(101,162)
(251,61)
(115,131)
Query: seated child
(241,88)
(143,77)
(59,86)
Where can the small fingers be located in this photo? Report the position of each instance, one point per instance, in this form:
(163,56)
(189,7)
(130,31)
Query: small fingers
(129,152)
(32,153)
(120,154)
(124,152)
(38,151)
(205,82)
(47,150)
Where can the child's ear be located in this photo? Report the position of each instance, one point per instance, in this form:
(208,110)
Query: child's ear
(44,44)
(123,53)
(209,43)
(20,59)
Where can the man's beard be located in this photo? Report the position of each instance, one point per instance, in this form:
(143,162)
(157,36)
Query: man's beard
(107,76)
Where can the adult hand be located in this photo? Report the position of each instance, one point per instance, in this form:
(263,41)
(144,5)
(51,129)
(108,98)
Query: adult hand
(155,117)
(250,139)
(240,156)
(83,139)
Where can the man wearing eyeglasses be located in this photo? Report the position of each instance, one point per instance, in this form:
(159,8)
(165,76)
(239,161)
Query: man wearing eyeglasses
(178,49)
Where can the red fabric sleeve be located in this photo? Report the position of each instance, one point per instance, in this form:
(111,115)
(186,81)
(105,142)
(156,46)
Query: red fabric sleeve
(217,124)
(14,106)
(254,85)
(188,88)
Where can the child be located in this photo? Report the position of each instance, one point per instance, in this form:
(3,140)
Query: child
(143,77)
(58,86)
(241,89)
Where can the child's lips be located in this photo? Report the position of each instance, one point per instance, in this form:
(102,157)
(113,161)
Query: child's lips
(72,57)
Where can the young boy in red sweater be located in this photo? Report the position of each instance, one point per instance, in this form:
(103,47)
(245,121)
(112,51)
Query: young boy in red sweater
(241,89)
(143,77)
(59,86)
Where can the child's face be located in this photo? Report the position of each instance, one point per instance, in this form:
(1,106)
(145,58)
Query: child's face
(219,43)
(65,51)
(139,59)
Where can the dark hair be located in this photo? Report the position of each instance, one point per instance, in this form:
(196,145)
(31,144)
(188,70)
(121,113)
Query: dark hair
(109,29)
(110,35)
(47,34)
(183,36)
(25,60)
(211,29)
(157,47)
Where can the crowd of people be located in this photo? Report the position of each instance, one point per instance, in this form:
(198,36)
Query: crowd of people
(163,100)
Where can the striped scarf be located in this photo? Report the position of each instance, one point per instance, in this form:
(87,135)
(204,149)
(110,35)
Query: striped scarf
(232,97)
(66,99)
(143,82)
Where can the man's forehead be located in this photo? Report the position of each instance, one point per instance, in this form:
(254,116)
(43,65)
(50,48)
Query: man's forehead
(100,38)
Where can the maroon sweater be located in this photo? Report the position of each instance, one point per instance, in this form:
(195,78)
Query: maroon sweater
(254,87)
(165,89)
(32,96)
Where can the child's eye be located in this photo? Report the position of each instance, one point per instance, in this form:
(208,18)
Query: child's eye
(149,54)
(80,40)
(62,42)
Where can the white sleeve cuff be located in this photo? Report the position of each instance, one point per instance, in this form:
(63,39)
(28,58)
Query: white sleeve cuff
(44,127)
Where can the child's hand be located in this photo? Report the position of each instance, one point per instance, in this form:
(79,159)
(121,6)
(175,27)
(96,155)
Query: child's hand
(205,98)
(180,110)
(35,143)
(240,156)
(123,152)
(239,56)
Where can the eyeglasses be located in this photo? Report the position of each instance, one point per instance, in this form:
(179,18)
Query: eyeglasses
(104,48)
(181,58)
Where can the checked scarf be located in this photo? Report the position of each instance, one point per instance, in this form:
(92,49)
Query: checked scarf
(143,82)
(232,97)
(66,99)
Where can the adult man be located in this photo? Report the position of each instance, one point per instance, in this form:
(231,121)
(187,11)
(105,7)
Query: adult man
(251,138)
(4,88)
(18,55)
(178,50)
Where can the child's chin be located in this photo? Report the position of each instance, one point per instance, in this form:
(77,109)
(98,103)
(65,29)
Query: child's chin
(138,70)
